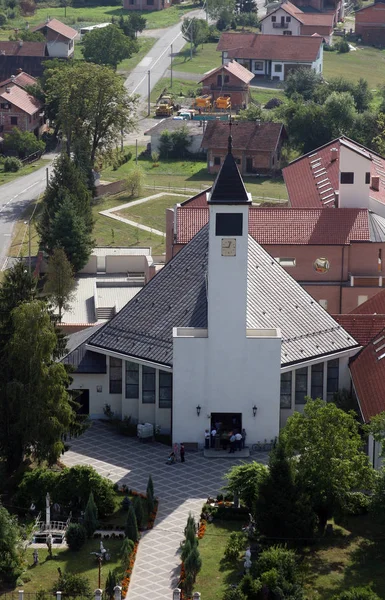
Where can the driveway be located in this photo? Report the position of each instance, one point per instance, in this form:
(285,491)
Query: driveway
(181,488)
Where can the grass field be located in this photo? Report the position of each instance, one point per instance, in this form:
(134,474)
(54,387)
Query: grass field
(180,88)
(31,168)
(261,96)
(151,213)
(205,59)
(215,574)
(81,17)
(368,63)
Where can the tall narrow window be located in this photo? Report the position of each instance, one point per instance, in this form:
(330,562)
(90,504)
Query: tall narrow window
(115,375)
(132,380)
(165,389)
(332,378)
(148,385)
(286,389)
(301,385)
(317,381)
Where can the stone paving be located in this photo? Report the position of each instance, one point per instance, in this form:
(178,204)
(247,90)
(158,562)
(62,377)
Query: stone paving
(180,488)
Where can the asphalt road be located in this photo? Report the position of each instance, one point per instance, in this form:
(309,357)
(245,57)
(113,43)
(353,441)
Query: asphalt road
(14,197)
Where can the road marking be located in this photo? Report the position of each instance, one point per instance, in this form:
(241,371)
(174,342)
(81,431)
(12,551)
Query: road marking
(22,192)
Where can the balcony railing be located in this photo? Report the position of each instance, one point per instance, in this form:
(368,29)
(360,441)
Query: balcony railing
(280,25)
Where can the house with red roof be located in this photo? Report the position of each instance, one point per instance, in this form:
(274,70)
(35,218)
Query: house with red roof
(272,56)
(256,146)
(231,80)
(20,109)
(288,19)
(25,56)
(370,24)
(60,38)
(22,80)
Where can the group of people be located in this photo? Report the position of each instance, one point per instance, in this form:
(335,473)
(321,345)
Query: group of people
(176,454)
(216,438)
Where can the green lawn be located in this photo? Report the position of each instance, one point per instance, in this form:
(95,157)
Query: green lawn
(6,177)
(44,575)
(205,59)
(261,96)
(81,17)
(20,237)
(353,556)
(365,62)
(180,88)
(152,213)
(126,66)
(215,574)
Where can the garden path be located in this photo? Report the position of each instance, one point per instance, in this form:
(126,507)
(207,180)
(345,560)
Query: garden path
(181,488)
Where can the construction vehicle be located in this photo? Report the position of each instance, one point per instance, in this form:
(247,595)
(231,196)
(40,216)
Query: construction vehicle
(204,102)
(166,107)
(223,102)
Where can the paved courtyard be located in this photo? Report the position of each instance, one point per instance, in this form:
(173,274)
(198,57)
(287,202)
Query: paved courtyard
(180,488)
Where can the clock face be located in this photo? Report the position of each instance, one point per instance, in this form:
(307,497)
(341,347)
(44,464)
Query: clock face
(229,246)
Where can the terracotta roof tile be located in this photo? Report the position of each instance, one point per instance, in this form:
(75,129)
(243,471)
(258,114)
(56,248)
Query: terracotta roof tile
(368,373)
(272,47)
(228,41)
(22,100)
(287,226)
(235,69)
(58,27)
(262,137)
(22,80)
(25,49)
(362,327)
(373,306)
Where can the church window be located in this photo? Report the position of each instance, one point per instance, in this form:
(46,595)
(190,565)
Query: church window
(317,381)
(286,389)
(132,380)
(165,389)
(148,385)
(332,378)
(115,375)
(301,385)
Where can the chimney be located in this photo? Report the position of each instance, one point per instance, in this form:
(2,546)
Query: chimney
(375,185)
(333,154)
(8,90)
(20,43)
(12,78)
(258,122)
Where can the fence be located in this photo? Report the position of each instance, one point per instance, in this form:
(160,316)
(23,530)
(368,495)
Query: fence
(98,595)
(31,158)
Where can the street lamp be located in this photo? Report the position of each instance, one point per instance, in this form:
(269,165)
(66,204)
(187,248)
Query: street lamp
(29,244)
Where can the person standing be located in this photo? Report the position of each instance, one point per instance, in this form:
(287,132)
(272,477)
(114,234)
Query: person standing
(232,443)
(207,439)
(243,437)
(181,451)
(238,440)
(213,434)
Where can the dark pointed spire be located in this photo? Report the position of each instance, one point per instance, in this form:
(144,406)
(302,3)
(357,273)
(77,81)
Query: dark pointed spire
(230,139)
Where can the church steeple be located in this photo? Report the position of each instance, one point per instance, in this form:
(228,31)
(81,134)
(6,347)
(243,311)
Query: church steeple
(228,187)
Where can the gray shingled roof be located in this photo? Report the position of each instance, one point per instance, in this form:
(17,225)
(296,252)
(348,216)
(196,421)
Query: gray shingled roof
(377,227)
(176,297)
(81,359)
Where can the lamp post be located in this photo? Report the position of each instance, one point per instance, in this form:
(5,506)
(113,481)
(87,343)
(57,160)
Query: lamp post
(149,92)
(171,66)
(29,244)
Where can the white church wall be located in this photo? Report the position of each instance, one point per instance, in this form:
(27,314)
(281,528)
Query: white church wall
(98,386)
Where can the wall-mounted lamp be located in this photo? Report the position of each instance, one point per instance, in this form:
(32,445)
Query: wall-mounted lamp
(198,410)
(254,410)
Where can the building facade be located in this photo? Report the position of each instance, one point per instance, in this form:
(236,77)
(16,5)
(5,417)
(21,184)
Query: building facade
(288,19)
(60,38)
(370,24)
(20,109)
(229,80)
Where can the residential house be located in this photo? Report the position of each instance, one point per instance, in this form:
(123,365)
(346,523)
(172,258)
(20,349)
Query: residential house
(336,255)
(256,146)
(146,4)
(333,7)
(370,24)
(20,109)
(60,38)
(272,56)
(195,131)
(26,56)
(221,333)
(22,80)
(287,19)
(231,79)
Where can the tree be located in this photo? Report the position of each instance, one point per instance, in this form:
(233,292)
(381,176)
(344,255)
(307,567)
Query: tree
(126,551)
(244,480)
(246,6)
(60,280)
(330,460)
(306,124)
(357,593)
(27,36)
(150,486)
(22,143)
(282,510)
(111,582)
(135,182)
(139,514)
(302,81)
(36,408)
(131,529)
(90,102)
(10,555)
(165,144)
(108,46)
(340,112)
(70,233)
(252,113)
(194,31)
(216,8)
(362,95)
(91,516)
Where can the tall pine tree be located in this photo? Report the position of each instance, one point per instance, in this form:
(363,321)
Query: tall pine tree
(69,231)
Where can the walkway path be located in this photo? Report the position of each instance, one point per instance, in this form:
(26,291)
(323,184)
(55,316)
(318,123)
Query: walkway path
(180,488)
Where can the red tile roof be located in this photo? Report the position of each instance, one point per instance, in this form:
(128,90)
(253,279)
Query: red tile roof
(58,27)
(20,98)
(362,327)
(271,47)
(22,48)
(200,200)
(318,20)
(374,306)
(368,373)
(301,176)
(239,71)
(22,80)
(262,137)
(287,226)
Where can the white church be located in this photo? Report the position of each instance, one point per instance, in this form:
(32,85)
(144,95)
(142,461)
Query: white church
(222,334)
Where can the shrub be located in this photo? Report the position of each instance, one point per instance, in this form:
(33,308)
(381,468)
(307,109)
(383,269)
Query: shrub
(234,594)
(135,182)
(73,585)
(76,536)
(131,529)
(111,582)
(281,559)
(139,514)
(154,156)
(3,19)
(91,516)
(273,103)
(342,46)
(356,503)
(150,487)
(235,545)
(126,503)
(12,164)
(22,143)
(126,551)
(250,587)
(361,593)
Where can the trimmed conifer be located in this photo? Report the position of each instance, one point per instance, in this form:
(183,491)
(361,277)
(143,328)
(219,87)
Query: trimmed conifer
(131,529)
